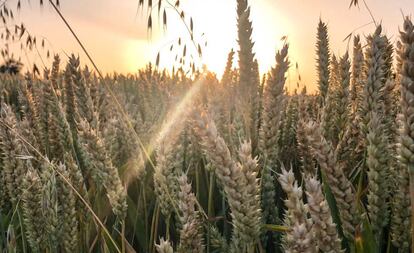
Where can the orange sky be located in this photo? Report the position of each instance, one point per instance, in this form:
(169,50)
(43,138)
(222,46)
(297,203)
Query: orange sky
(118,41)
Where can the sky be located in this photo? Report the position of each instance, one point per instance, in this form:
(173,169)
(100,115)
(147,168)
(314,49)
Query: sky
(115,33)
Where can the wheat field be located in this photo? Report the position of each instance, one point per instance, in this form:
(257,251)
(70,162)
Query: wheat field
(163,162)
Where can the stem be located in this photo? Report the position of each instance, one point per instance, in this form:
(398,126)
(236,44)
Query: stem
(389,243)
(156,228)
(210,195)
(358,247)
(225,224)
(370,13)
(185,24)
(137,214)
(167,230)
(145,215)
(123,236)
(208,238)
(2,229)
(154,225)
(210,207)
(412,207)
(21,230)
(260,246)
(197,172)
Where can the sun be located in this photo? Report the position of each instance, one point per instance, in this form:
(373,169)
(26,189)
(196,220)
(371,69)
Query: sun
(214,29)
(136,54)
(215,22)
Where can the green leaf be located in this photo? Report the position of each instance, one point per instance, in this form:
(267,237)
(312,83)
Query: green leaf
(276,228)
(138,221)
(366,243)
(333,207)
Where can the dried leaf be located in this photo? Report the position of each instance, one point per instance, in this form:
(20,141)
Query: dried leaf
(157,61)
(159,6)
(149,26)
(164,19)
(354,3)
(200,52)
(28,40)
(35,69)
(22,30)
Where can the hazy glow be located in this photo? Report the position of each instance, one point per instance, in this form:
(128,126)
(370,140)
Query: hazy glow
(117,38)
(176,118)
(174,122)
(134,51)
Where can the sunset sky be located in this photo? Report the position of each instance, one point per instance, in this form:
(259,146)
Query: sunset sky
(117,38)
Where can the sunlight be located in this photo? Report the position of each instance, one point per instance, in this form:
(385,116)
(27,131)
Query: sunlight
(135,54)
(176,118)
(220,32)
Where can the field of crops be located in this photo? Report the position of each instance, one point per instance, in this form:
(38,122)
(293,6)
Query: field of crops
(166,162)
